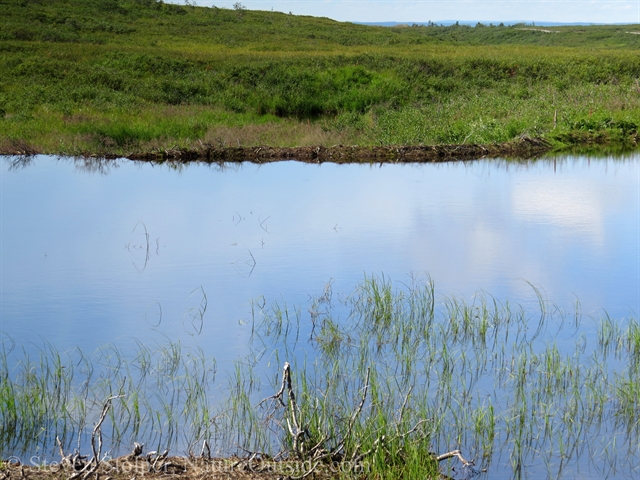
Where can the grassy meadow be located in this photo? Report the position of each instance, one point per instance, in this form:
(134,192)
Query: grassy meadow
(96,77)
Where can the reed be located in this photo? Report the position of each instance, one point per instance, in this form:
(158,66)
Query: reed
(372,381)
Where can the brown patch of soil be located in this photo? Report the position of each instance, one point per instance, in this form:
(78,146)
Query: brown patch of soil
(525,147)
(171,468)
(17,147)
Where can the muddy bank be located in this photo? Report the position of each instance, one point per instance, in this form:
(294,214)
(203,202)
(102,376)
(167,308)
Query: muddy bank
(186,468)
(525,147)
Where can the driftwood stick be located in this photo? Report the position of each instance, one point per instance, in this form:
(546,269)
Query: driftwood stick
(278,396)
(355,414)
(286,377)
(404,404)
(294,425)
(307,473)
(137,450)
(455,453)
(205,447)
(98,429)
(93,465)
(65,459)
(62,455)
(353,418)
(413,429)
(374,447)
(160,457)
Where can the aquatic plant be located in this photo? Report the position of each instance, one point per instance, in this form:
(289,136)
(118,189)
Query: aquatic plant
(370,381)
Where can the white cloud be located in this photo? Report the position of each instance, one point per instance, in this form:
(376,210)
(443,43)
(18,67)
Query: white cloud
(572,207)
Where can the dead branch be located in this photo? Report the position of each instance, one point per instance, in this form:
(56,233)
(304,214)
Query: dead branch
(353,418)
(73,460)
(362,400)
(137,450)
(91,466)
(317,453)
(245,461)
(278,396)
(160,457)
(150,455)
(98,429)
(205,447)
(62,455)
(307,473)
(404,404)
(373,448)
(153,458)
(293,425)
(402,435)
(455,453)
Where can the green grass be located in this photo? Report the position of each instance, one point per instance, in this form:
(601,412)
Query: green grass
(380,377)
(447,362)
(123,76)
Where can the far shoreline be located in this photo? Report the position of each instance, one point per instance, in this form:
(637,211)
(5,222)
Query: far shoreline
(523,148)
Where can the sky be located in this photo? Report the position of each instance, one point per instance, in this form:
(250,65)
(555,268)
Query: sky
(409,11)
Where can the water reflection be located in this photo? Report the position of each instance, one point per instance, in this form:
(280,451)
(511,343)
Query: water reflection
(139,246)
(243,230)
(19,162)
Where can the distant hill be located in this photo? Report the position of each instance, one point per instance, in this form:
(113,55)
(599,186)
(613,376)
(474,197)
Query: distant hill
(120,76)
(448,23)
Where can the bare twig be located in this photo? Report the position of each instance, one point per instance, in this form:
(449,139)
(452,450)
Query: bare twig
(307,473)
(66,459)
(205,447)
(278,396)
(160,457)
(362,400)
(93,465)
(404,404)
(62,455)
(293,407)
(98,430)
(353,418)
(137,449)
(373,448)
(455,453)
(412,430)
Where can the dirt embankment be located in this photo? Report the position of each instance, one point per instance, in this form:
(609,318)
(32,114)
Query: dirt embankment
(183,468)
(157,467)
(525,147)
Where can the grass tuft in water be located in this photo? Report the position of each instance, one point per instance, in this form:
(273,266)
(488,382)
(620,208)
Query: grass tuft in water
(375,380)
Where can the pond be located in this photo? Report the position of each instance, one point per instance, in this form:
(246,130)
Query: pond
(110,265)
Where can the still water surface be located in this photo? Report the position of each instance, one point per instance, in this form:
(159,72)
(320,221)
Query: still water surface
(119,252)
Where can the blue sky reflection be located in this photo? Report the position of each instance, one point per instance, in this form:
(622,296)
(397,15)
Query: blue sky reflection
(76,269)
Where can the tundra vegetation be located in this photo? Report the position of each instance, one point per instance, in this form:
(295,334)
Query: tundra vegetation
(365,383)
(117,77)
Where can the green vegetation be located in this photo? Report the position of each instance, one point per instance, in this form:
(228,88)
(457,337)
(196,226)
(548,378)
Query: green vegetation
(378,379)
(123,76)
